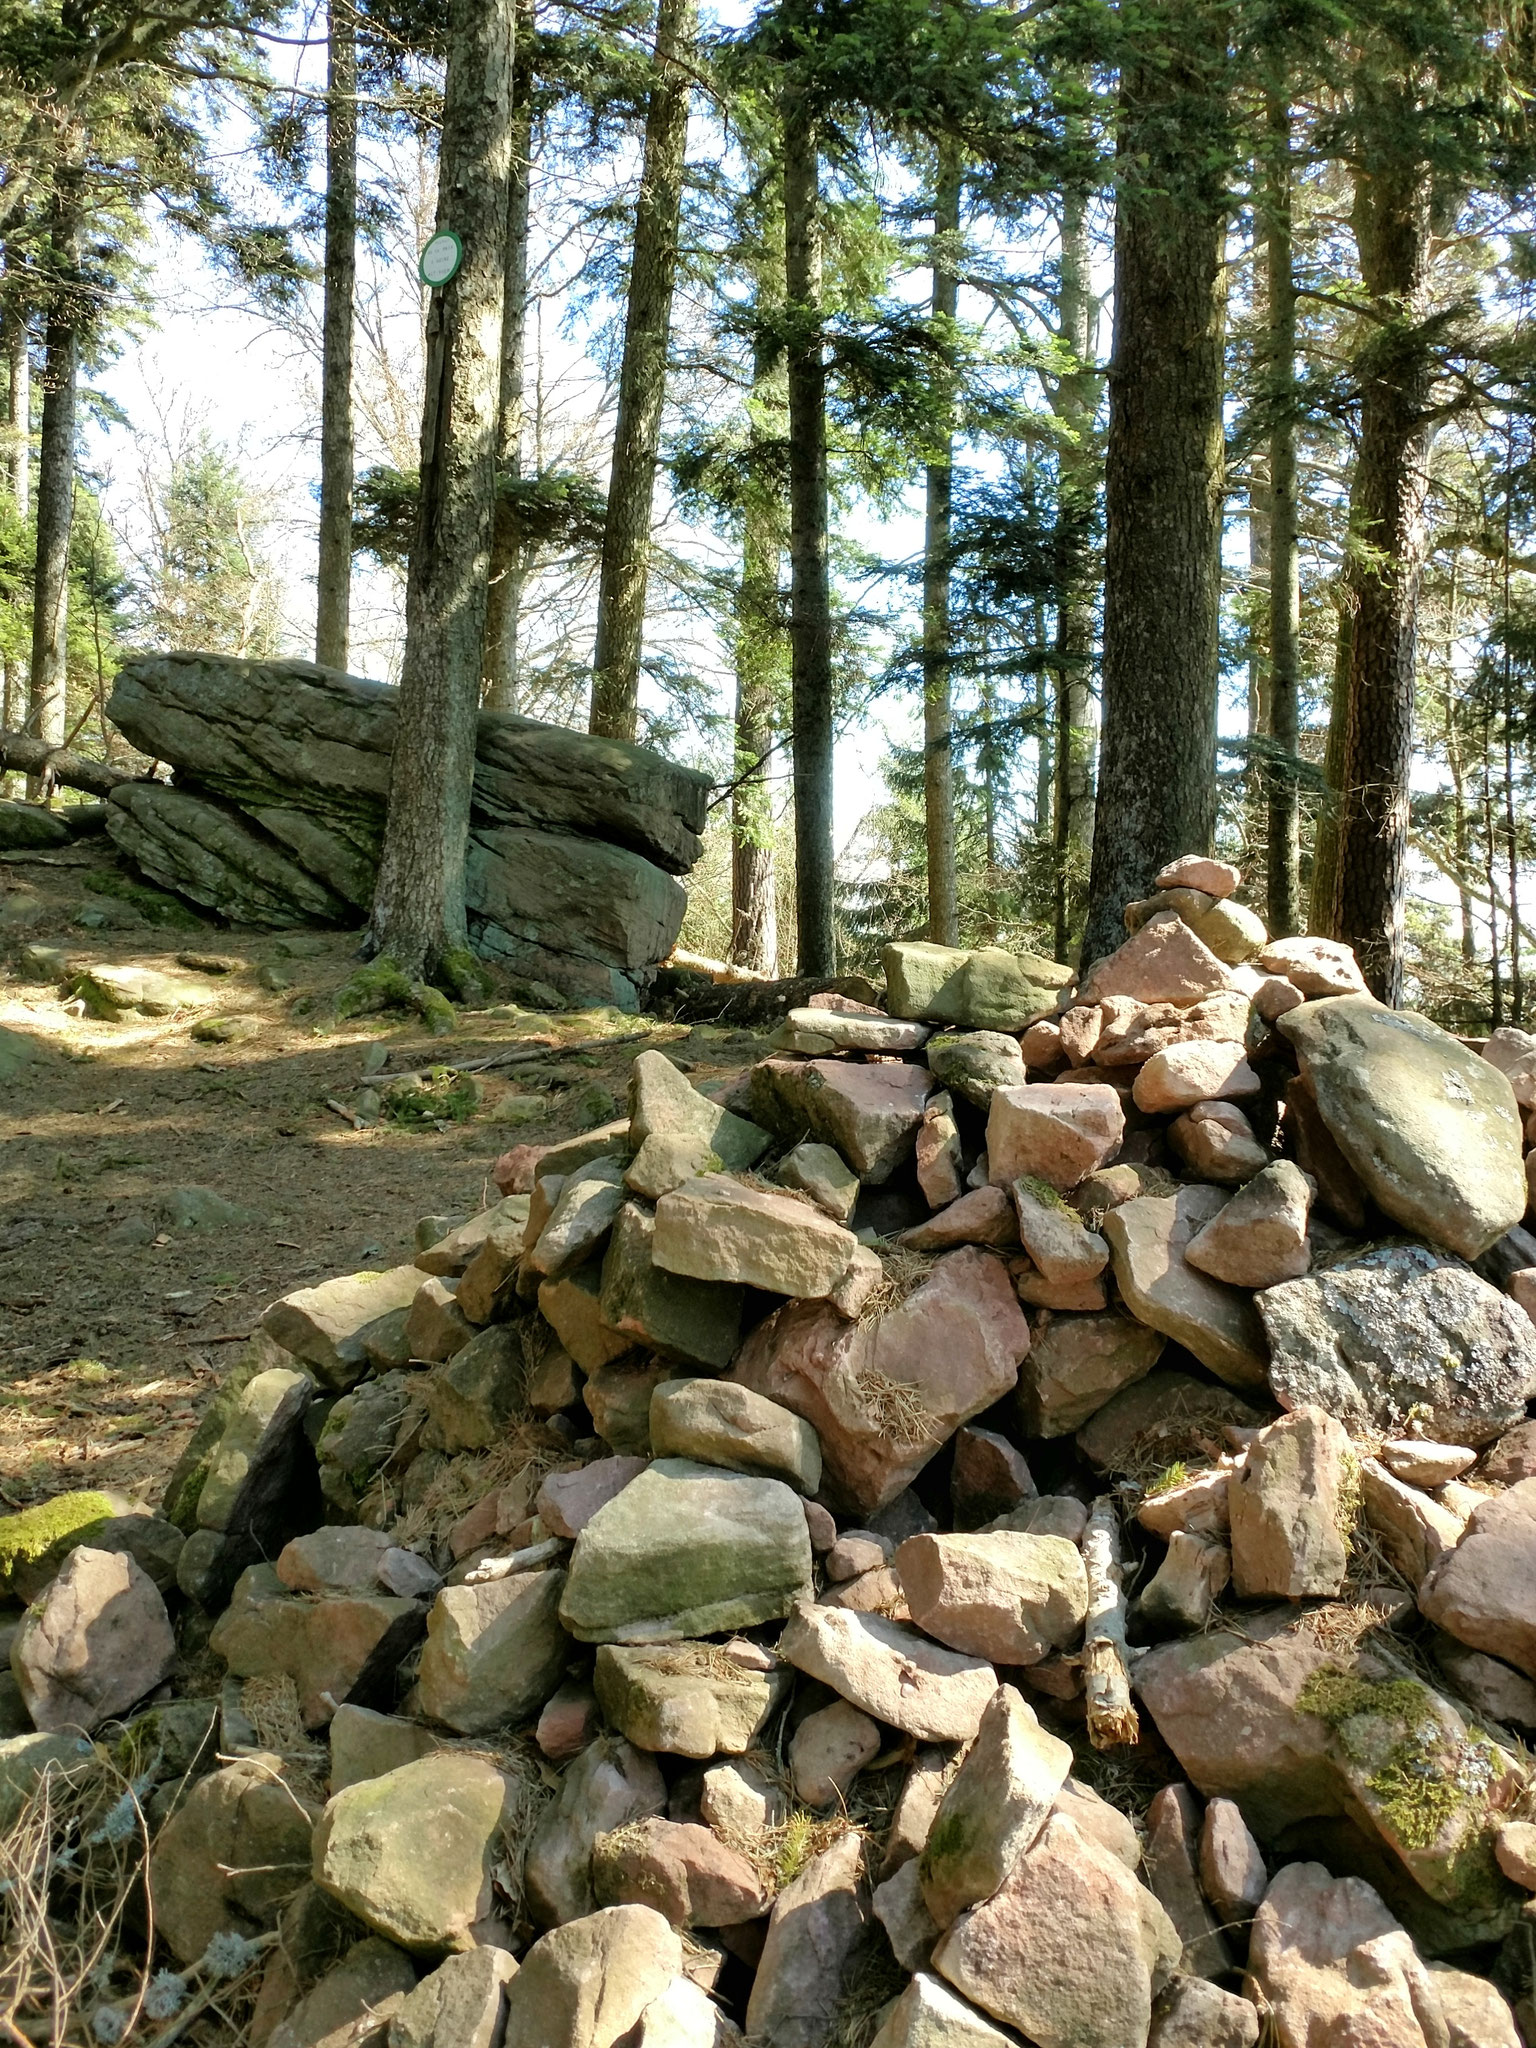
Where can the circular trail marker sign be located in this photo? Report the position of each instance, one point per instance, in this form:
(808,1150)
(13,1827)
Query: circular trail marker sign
(441,258)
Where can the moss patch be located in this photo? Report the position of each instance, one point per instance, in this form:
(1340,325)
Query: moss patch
(30,1535)
(381,986)
(1041,1192)
(155,906)
(441,1097)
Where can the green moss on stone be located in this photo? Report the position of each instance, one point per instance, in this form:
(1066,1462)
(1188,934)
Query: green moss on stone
(1046,1196)
(30,1535)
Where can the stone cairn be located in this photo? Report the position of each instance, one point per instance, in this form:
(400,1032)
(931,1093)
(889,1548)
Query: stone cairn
(1091,1602)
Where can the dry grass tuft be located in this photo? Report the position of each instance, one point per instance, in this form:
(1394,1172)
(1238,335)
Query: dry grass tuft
(895,1408)
(904,1273)
(271,1705)
(465,1480)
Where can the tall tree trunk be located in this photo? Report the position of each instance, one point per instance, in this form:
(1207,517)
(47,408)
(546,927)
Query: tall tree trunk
(1075,403)
(1163,481)
(642,386)
(761,672)
(1284,819)
(18,354)
(810,622)
(508,561)
(1256,776)
(938,705)
(1391,221)
(46,692)
(1325,833)
(333,594)
(418,906)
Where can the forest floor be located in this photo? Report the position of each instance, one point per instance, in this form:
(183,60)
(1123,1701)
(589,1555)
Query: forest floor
(116,1322)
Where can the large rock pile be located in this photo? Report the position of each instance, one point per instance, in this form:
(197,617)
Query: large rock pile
(276,817)
(1022,1531)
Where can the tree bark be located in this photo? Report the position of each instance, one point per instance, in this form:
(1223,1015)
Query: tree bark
(810,627)
(418,907)
(1284,809)
(938,707)
(19,410)
(508,567)
(642,386)
(333,593)
(1075,403)
(48,681)
(1325,833)
(761,675)
(1163,483)
(1391,222)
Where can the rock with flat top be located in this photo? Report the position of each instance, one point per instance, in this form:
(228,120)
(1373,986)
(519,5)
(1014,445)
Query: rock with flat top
(323,1326)
(1008,1597)
(995,1805)
(1215,878)
(1433,1132)
(1070,1950)
(1056,1132)
(687,1699)
(1147,1240)
(720,1229)
(1318,967)
(1418,1462)
(869,1114)
(1168,1418)
(1413,1530)
(986,990)
(1482,1591)
(687,1550)
(891,1673)
(856,1031)
(692,1321)
(1400,1330)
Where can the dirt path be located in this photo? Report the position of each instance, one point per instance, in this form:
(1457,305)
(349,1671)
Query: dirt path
(115,1320)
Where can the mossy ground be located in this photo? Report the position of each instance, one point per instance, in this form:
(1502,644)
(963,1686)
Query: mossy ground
(27,1536)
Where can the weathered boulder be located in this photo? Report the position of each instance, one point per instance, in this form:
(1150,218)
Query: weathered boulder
(993,1808)
(984,1215)
(1290,1510)
(459,2005)
(413,1853)
(1009,1597)
(716,1422)
(607,1786)
(686,1550)
(1259,1237)
(229,1855)
(811,1933)
(1432,1130)
(664,1103)
(587,1984)
(1329,1962)
(495,1652)
(716,1228)
(828,1750)
(987,990)
(891,1673)
(325,1326)
(687,1699)
(694,1321)
(98,1640)
(332,1648)
(1070,1950)
(1077,1363)
(1058,1133)
(1396,1329)
(819,1171)
(1163,962)
(973,1063)
(1147,1240)
(582,1216)
(883,1395)
(869,1114)
(1483,1591)
(681,1869)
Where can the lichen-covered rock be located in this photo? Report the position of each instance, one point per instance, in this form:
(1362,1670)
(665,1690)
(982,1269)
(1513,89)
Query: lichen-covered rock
(973,1063)
(495,1652)
(688,1699)
(1432,1130)
(413,1853)
(687,1550)
(986,990)
(1402,1329)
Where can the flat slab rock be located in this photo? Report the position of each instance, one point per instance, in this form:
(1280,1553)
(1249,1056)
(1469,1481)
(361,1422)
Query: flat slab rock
(892,1673)
(1402,1328)
(1433,1131)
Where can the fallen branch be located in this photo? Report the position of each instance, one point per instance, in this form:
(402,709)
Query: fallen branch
(1112,1719)
(350,1116)
(523,1057)
(58,764)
